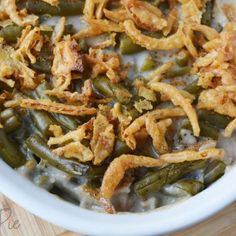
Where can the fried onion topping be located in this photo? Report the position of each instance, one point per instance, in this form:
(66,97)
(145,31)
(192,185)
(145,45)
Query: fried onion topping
(103,139)
(178,100)
(20,18)
(50,106)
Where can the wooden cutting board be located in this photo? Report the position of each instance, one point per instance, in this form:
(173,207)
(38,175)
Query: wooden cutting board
(15,221)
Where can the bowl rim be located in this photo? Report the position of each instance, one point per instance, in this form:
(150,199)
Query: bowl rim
(163,220)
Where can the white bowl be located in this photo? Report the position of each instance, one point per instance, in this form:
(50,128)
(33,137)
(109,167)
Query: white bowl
(160,221)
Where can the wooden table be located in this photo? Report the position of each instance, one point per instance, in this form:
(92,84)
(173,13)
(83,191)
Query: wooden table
(19,222)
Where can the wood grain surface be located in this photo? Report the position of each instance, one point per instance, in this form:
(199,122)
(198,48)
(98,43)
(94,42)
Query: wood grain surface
(15,221)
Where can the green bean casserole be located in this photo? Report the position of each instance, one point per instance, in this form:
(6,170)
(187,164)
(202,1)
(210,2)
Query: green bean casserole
(118,105)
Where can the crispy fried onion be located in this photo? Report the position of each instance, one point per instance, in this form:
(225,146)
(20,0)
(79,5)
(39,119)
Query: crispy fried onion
(56,130)
(11,66)
(116,15)
(229,11)
(178,100)
(116,170)
(105,63)
(208,32)
(159,114)
(145,15)
(3,14)
(30,40)
(20,18)
(187,95)
(188,32)
(210,78)
(157,131)
(71,144)
(72,136)
(75,150)
(66,60)
(230,128)
(178,157)
(221,99)
(52,2)
(5,23)
(94,8)
(217,67)
(103,139)
(171,20)
(158,74)
(124,120)
(191,11)
(143,105)
(58,30)
(110,41)
(144,92)
(47,105)
(174,41)
(97,27)
(85,96)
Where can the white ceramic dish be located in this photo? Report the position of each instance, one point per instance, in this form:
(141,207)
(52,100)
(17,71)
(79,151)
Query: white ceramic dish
(160,221)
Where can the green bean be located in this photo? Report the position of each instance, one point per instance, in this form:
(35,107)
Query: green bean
(65,7)
(148,64)
(83,45)
(127,46)
(47,33)
(206,130)
(121,94)
(193,88)
(40,91)
(213,118)
(6,114)
(43,63)
(156,35)
(10,33)
(10,120)
(42,180)
(134,113)
(94,176)
(130,111)
(176,71)
(66,121)
(95,172)
(42,120)
(38,147)
(214,170)
(120,148)
(12,124)
(154,182)
(182,59)
(208,13)
(69,29)
(146,148)
(10,152)
(71,7)
(183,187)
(103,86)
